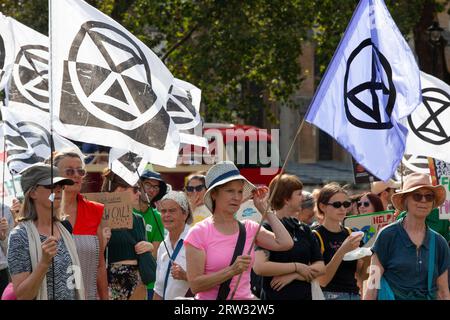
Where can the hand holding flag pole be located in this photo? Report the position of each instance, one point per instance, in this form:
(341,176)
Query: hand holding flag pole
(266,211)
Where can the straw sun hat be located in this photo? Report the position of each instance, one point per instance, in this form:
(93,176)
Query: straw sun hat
(380,186)
(413,182)
(221,173)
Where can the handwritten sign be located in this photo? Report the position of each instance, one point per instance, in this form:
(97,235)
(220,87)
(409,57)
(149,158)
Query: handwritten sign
(370,224)
(118,212)
(440,172)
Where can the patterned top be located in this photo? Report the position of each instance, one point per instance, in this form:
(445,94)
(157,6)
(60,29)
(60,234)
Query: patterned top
(89,216)
(19,261)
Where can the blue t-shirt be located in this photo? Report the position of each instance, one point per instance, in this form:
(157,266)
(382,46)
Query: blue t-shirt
(405,265)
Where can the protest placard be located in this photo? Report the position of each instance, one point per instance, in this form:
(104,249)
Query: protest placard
(440,173)
(370,224)
(118,212)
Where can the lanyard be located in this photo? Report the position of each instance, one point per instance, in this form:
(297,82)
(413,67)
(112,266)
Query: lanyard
(174,256)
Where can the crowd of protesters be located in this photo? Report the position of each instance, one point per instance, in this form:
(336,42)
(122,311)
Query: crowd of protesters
(194,244)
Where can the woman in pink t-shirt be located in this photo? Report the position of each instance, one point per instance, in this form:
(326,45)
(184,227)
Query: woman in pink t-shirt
(210,244)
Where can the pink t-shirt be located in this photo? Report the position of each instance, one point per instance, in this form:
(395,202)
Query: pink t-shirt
(219,249)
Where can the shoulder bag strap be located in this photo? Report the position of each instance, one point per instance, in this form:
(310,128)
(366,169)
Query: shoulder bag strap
(322,246)
(431,258)
(225,286)
(169,266)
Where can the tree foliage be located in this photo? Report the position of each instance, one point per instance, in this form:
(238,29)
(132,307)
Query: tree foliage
(242,54)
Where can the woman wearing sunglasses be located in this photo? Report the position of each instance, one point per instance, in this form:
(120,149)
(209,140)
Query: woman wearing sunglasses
(42,256)
(195,190)
(338,282)
(370,203)
(84,217)
(410,260)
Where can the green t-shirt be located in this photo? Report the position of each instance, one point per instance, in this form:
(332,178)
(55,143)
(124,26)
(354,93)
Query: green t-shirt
(436,224)
(153,221)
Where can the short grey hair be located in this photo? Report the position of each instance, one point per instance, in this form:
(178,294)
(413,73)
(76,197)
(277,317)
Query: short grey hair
(181,199)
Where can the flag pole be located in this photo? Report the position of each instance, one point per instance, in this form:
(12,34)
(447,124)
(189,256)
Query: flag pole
(3,174)
(141,186)
(272,194)
(52,146)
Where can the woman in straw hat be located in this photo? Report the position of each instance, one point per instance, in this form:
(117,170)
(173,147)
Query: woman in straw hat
(410,261)
(211,244)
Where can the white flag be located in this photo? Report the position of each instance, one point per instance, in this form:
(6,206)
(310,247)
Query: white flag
(6,49)
(183,107)
(26,130)
(126,165)
(416,163)
(371,83)
(429,124)
(108,87)
(26,114)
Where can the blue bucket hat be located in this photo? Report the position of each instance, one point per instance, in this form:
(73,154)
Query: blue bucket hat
(149,174)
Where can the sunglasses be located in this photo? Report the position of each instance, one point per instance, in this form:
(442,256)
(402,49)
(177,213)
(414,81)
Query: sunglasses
(52,186)
(71,172)
(196,188)
(365,204)
(338,204)
(429,197)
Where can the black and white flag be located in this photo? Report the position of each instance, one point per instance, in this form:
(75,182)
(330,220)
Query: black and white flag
(429,124)
(6,49)
(28,83)
(183,107)
(26,114)
(127,165)
(28,137)
(108,87)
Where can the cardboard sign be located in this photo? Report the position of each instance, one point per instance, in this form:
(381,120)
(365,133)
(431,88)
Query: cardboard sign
(370,224)
(118,212)
(440,173)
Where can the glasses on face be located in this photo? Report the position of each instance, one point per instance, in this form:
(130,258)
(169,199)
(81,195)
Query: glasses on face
(135,189)
(364,203)
(196,188)
(148,186)
(338,204)
(429,197)
(52,186)
(70,172)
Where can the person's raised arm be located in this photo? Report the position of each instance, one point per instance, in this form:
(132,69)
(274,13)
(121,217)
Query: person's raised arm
(349,244)
(26,285)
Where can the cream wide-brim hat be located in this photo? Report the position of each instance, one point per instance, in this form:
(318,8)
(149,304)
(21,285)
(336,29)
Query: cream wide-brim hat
(220,174)
(416,181)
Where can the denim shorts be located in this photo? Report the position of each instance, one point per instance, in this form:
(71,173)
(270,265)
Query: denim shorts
(341,296)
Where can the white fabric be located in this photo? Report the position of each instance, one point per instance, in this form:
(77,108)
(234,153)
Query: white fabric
(109,88)
(183,107)
(428,125)
(127,166)
(175,288)
(372,82)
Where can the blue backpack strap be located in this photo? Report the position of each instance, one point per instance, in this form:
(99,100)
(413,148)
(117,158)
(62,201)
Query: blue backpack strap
(169,266)
(431,259)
